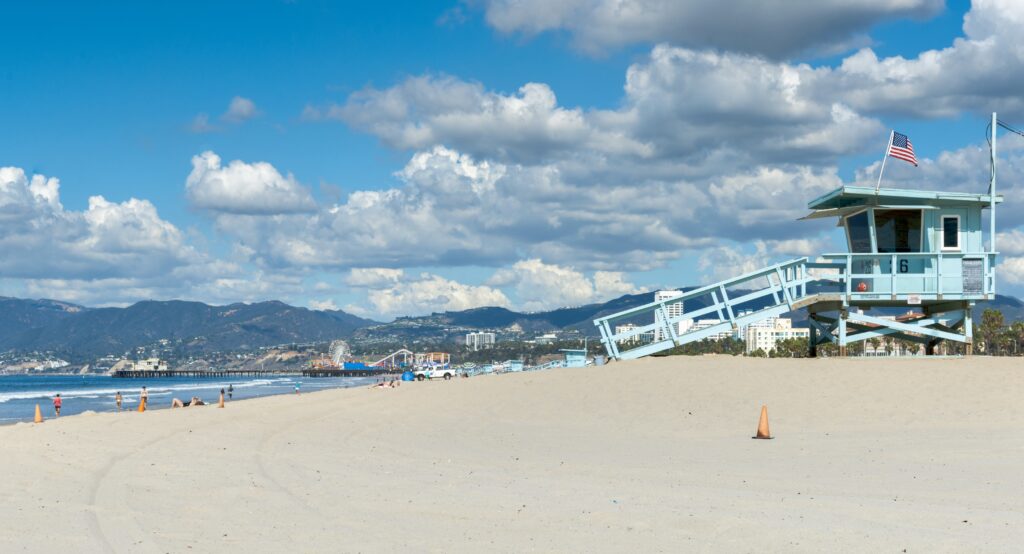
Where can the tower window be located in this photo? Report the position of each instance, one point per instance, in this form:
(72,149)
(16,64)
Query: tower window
(951,232)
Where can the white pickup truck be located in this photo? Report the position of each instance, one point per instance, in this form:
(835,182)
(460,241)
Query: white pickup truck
(445,373)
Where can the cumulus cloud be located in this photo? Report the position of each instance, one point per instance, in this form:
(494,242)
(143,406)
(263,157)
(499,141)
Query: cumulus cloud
(1011,243)
(402,294)
(454,210)
(424,111)
(244,188)
(374,277)
(541,286)
(981,72)
(691,103)
(38,237)
(772,28)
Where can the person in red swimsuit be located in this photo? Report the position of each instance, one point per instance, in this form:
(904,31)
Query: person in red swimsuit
(56,404)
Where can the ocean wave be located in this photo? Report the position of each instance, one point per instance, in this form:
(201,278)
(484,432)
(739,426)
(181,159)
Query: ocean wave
(132,393)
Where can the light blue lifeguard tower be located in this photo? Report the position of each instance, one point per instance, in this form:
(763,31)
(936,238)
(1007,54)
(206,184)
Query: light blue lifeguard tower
(916,249)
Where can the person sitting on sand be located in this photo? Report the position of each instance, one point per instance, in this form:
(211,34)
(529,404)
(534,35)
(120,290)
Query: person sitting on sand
(176,403)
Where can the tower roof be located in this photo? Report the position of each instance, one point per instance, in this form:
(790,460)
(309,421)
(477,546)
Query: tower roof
(851,198)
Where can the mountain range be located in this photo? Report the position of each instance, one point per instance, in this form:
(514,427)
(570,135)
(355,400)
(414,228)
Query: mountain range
(79,332)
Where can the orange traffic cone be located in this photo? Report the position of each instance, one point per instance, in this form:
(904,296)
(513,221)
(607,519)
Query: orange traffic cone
(221,403)
(39,415)
(762,426)
(142,405)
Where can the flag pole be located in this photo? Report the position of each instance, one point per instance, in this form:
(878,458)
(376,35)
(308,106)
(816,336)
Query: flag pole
(992,188)
(884,157)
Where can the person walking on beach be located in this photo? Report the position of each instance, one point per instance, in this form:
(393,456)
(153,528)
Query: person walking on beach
(296,388)
(144,398)
(56,404)
(117,400)
(231,389)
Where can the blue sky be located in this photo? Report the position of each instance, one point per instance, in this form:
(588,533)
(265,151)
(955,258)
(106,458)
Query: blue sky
(422,98)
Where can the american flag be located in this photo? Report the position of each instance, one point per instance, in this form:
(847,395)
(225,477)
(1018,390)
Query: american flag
(900,148)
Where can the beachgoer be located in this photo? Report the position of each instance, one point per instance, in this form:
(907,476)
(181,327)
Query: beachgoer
(117,399)
(195,401)
(296,388)
(144,397)
(56,404)
(231,389)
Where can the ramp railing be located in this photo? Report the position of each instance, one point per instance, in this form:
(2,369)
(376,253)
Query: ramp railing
(735,302)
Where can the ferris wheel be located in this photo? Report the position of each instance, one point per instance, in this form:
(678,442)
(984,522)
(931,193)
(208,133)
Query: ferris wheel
(340,351)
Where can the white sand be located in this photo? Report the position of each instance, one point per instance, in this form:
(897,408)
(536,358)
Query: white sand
(647,456)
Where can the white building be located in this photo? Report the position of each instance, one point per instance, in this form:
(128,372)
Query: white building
(476,341)
(150,364)
(702,324)
(674,310)
(625,328)
(766,334)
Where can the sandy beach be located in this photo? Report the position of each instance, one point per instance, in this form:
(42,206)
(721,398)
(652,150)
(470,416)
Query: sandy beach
(647,456)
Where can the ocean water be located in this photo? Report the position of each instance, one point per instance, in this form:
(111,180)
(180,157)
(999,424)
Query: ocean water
(19,394)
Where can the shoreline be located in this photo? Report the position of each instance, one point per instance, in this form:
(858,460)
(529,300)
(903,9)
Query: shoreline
(131,398)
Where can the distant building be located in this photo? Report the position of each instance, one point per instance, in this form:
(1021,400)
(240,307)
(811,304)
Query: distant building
(150,364)
(766,334)
(702,324)
(625,328)
(674,310)
(478,341)
(548,338)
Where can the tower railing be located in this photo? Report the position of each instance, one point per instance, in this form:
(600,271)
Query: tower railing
(923,275)
(736,302)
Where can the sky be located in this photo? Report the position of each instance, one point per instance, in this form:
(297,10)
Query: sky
(403,158)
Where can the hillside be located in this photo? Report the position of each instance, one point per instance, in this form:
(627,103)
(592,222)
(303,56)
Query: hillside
(192,326)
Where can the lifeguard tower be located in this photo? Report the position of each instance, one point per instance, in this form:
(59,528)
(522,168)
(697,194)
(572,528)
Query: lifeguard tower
(913,249)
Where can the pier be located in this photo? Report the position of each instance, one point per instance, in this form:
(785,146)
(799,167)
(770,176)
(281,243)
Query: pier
(146,374)
(340,372)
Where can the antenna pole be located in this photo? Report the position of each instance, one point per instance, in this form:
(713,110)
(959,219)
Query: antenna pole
(992,188)
(884,157)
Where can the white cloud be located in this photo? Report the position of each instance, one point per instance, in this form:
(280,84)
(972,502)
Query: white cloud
(774,28)
(1011,270)
(427,293)
(374,277)
(541,286)
(243,188)
(1010,243)
(424,111)
(322,305)
(240,109)
(981,72)
(39,238)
